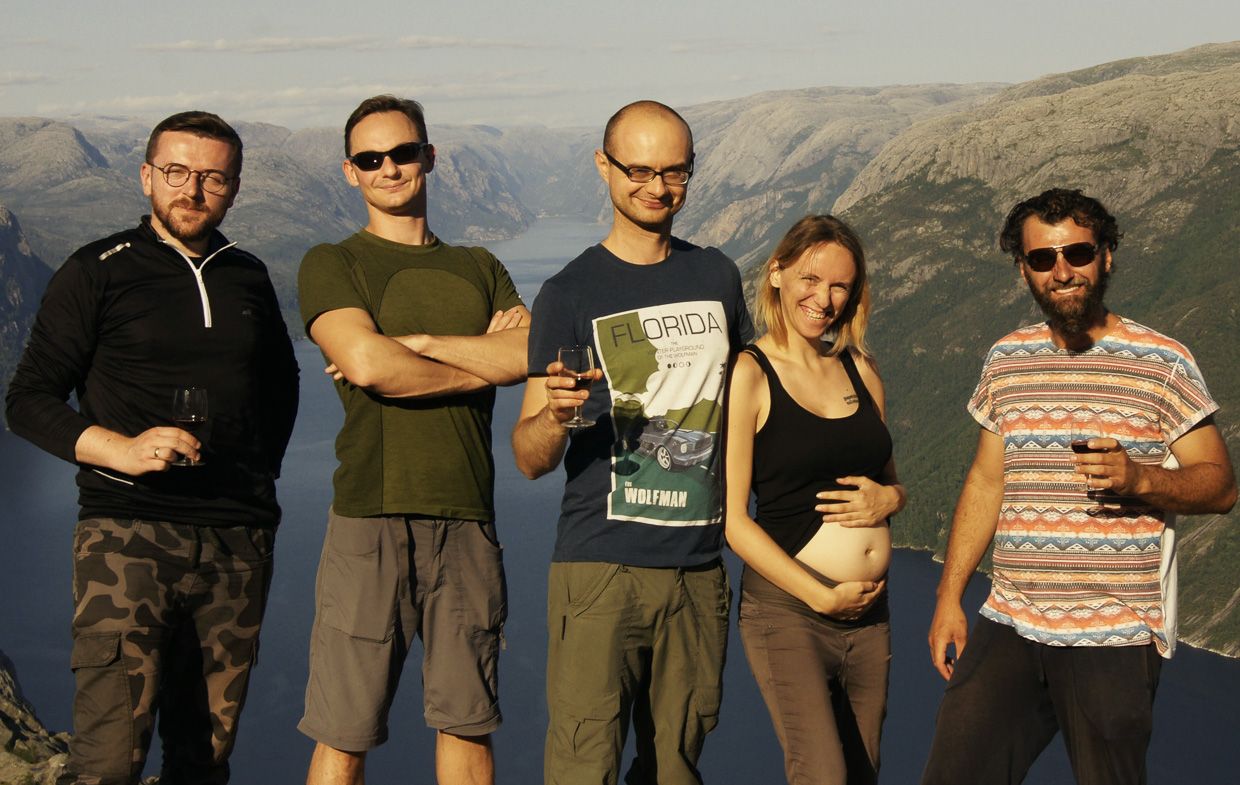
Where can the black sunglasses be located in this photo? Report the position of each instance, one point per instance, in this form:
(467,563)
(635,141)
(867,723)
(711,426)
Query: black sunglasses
(407,153)
(1042,260)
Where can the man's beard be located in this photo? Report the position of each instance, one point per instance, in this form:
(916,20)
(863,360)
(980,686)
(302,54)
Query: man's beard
(1073,317)
(184,228)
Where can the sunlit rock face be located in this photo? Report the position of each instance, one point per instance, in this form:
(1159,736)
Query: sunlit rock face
(28,751)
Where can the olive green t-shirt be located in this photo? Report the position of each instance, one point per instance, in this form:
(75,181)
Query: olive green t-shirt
(431,456)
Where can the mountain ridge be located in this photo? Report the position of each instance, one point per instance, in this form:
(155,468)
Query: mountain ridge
(1159,143)
(925,172)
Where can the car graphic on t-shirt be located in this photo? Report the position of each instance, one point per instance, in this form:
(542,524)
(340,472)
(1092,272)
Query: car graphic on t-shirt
(672,448)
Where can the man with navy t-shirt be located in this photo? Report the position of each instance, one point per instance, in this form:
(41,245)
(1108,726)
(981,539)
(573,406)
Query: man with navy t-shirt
(638,598)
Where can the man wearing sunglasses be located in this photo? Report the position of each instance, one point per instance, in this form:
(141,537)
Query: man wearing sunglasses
(172,562)
(418,334)
(1095,432)
(638,601)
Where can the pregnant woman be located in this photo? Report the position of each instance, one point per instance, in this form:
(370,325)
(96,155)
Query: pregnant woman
(806,435)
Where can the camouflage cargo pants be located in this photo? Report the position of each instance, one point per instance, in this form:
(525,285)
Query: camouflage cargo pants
(166,622)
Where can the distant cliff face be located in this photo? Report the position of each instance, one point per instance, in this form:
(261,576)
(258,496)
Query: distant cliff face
(764,161)
(1129,136)
(22,280)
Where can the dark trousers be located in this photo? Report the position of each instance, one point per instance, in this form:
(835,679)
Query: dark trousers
(1008,696)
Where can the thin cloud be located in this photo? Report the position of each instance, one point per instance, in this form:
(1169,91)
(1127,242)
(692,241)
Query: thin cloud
(355,43)
(352,43)
(709,47)
(728,47)
(310,102)
(13,78)
(428,42)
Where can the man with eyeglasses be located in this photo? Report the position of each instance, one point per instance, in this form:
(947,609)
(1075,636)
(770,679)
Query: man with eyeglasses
(172,563)
(418,334)
(1095,432)
(638,600)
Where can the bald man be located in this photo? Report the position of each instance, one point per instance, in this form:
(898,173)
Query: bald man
(638,598)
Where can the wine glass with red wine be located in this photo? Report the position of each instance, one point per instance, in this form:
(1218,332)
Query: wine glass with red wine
(1086,425)
(189,412)
(578,362)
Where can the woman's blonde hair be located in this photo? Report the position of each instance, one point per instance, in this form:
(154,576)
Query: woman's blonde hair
(805,234)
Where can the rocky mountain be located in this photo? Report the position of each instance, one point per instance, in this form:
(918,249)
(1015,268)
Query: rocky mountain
(31,754)
(766,160)
(762,162)
(70,185)
(925,172)
(1158,140)
(551,170)
(22,280)
(62,187)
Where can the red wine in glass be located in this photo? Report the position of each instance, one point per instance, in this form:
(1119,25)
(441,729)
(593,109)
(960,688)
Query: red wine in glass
(582,381)
(578,362)
(1082,446)
(189,412)
(191,424)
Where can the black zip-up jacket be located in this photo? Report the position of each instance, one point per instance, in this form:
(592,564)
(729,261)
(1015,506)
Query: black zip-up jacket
(124,322)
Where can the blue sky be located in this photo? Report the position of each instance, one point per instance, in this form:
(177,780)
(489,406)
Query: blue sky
(553,62)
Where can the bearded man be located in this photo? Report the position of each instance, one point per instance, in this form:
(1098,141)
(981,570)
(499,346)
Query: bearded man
(172,562)
(1095,432)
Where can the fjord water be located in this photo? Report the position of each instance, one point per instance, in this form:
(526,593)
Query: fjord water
(1197,715)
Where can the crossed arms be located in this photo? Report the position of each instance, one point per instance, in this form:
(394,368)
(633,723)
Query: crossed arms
(422,366)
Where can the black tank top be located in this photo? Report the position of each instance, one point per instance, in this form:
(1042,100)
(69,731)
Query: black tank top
(797,454)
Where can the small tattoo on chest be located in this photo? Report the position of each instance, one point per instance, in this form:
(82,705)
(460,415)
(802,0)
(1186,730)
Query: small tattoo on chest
(851,398)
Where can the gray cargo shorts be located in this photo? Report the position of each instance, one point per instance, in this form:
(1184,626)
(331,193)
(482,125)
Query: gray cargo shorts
(381,581)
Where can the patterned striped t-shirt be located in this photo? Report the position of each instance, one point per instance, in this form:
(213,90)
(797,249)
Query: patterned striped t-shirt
(1071,567)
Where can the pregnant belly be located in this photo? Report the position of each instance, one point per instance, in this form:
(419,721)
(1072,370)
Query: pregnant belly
(849,554)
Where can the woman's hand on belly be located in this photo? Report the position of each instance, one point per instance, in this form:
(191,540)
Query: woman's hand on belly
(870,504)
(853,598)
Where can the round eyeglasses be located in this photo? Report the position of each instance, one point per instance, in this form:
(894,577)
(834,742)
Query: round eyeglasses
(177,175)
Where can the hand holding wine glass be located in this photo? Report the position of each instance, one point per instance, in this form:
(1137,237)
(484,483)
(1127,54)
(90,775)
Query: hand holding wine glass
(1087,426)
(189,412)
(578,365)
